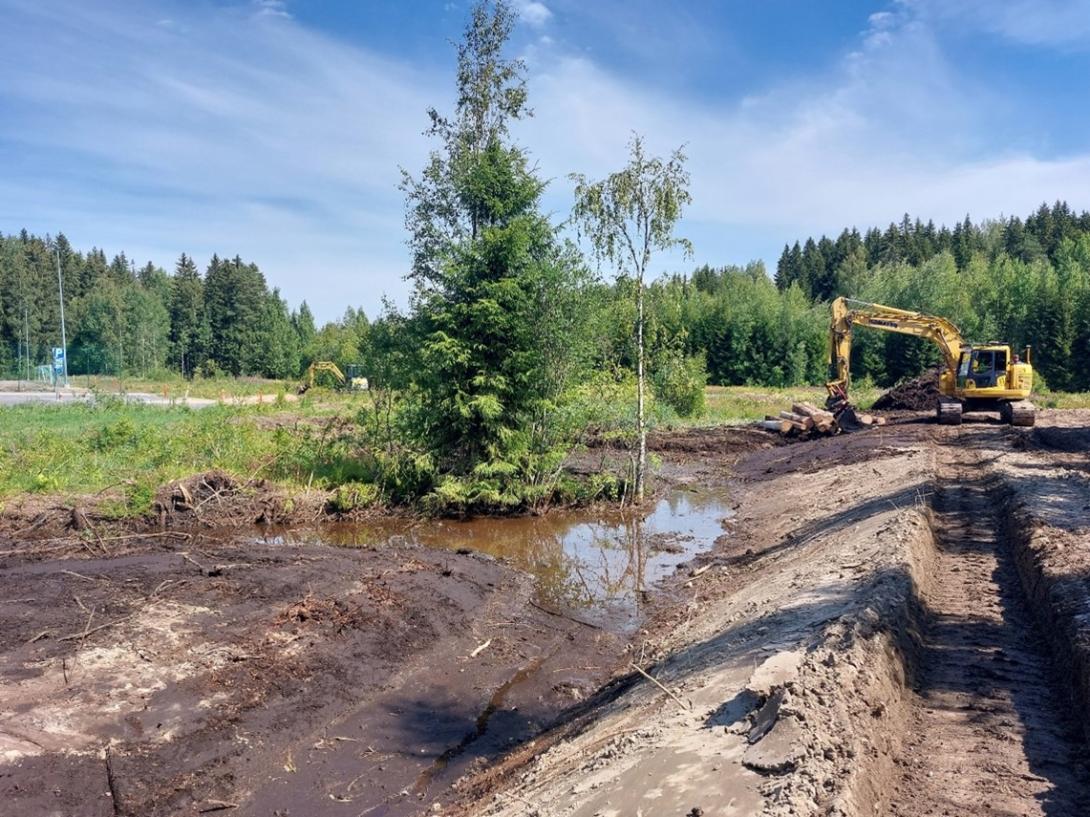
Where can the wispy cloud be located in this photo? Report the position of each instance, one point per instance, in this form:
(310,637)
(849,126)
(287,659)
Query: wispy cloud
(892,128)
(1032,22)
(271,8)
(227,131)
(238,136)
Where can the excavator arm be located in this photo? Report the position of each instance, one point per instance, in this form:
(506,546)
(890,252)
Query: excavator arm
(321,366)
(849,313)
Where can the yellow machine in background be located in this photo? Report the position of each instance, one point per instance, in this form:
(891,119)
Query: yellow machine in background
(983,377)
(353,381)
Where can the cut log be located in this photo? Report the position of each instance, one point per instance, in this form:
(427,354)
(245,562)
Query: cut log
(806,422)
(805,409)
(779,426)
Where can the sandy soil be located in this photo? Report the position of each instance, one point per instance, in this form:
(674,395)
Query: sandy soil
(897,625)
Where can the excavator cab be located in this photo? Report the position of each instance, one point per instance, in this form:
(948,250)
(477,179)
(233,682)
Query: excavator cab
(983,368)
(355,378)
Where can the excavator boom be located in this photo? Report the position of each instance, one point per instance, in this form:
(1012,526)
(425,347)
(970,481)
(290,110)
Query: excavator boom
(848,313)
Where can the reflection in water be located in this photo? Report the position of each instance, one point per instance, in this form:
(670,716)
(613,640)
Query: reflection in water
(596,562)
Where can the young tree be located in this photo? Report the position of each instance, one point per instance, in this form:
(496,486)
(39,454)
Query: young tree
(305,330)
(627,217)
(487,267)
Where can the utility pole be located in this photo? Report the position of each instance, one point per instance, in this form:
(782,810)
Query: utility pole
(64,335)
(26,345)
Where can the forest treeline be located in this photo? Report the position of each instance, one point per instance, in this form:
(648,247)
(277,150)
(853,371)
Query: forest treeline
(126,320)
(1025,281)
(512,348)
(1022,281)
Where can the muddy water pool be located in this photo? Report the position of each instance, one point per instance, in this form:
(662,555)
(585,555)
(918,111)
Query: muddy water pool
(594,564)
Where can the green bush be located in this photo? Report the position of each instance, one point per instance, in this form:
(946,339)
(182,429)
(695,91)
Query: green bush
(353,496)
(679,382)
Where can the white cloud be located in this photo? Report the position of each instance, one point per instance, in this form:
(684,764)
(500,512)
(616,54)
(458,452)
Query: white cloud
(894,128)
(533,13)
(271,8)
(278,144)
(1032,22)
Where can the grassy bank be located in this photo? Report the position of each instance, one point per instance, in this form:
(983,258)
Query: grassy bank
(171,385)
(742,404)
(120,454)
(124,452)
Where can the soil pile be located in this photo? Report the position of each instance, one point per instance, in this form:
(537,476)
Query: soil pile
(919,394)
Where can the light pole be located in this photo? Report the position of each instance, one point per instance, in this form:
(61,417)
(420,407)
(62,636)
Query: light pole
(64,335)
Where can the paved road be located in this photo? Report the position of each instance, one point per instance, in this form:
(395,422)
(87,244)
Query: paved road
(14,398)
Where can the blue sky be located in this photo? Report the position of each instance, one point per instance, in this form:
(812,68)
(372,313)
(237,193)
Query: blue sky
(275,129)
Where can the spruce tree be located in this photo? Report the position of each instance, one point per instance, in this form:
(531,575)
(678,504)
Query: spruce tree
(188,320)
(493,287)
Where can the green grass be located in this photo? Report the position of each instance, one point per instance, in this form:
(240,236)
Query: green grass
(743,404)
(1062,400)
(170,384)
(126,451)
(122,453)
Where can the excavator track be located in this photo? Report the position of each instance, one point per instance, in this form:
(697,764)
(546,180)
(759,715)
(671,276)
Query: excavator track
(949,411)
(1018,412)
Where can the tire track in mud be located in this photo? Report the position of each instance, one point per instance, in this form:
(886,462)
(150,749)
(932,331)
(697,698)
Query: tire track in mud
(990,729)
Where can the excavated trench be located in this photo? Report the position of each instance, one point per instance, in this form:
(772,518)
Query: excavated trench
(988,721)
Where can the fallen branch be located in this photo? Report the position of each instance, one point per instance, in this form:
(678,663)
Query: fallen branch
(80,575)
(216,805)
(112,783)
(677,700)
(481,648)
(69,541)
(565,617)
(86,632)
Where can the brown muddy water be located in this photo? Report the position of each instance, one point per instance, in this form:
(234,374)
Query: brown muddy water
(594,564)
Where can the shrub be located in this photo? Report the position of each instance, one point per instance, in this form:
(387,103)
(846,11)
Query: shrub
(353,496)
(679,382)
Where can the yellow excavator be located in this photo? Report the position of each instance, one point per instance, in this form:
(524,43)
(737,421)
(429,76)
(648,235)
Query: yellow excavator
(976,377)
(353,381)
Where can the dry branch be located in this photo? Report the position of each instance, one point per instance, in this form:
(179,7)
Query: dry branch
(677,700)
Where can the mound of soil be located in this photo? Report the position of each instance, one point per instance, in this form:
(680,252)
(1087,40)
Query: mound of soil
(919,394)
(216,499)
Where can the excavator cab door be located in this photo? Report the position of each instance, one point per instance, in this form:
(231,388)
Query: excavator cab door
(985,368)
(964,364)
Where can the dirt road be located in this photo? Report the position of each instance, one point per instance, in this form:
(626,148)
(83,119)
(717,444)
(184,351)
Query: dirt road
(896,622)
(989,711)
(898,625)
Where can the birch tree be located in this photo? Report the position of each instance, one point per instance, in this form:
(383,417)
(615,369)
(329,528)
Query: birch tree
(628,217)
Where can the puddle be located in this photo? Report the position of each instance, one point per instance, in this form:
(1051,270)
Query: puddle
(591,564)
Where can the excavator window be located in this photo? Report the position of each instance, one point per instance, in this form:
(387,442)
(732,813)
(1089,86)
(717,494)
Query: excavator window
(984,368)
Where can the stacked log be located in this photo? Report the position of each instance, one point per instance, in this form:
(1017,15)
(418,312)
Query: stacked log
(807,420)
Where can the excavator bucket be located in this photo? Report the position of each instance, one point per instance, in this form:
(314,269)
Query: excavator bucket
(843,411)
